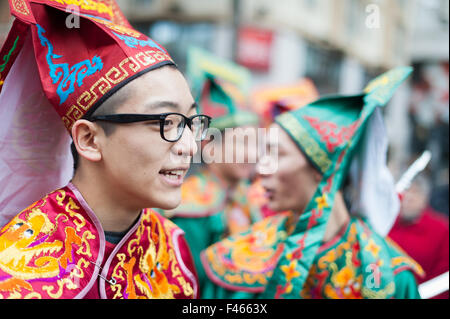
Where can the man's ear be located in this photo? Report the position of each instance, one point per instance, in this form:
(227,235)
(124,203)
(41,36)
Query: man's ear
(85,135)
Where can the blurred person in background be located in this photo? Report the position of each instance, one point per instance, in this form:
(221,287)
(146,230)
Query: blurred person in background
(439,193)
(422,232)
(215,200)
(269,102)
(323,250)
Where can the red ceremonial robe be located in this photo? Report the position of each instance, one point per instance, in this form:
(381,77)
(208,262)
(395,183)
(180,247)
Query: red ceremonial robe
(55,248)
(426,240)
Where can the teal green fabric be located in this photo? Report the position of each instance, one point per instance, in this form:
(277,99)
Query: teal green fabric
(204,213)
(328,132)
(225,110)
(221,89)
(201,63)
(200,233)
(213,291)
(356,264)
(406,286)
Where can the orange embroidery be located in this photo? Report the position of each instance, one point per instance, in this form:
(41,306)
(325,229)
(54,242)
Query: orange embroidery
(28,252)
(15,284)
(128,267)
(150,267)
(71,239)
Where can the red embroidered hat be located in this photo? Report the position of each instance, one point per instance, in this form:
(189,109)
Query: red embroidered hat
(80,64)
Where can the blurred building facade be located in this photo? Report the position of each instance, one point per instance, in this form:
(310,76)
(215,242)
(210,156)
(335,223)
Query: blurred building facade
(5,20)
(340,45)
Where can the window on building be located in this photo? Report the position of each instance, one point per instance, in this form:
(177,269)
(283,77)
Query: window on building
(323,66)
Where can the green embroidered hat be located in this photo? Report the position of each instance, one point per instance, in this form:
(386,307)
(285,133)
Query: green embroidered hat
(325,130)
(221,89)
(329,132)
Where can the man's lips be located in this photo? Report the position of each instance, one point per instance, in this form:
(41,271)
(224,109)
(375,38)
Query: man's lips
(173,176)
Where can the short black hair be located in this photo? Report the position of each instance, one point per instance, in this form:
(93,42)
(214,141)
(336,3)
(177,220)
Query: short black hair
(110,106)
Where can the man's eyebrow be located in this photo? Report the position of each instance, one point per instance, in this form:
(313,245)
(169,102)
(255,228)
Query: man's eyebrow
(162,104)
(173,105)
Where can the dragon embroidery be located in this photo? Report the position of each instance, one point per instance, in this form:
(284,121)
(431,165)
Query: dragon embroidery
(146,272)
(25,253)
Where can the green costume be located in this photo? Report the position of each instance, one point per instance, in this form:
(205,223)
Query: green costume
(348,266)
(209,211)
(277,258)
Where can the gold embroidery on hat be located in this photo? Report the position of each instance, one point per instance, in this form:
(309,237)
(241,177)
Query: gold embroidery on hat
(20,6)
(117,27)
(146,59)
(90,5)
(132,64)
(73,115)
(308,144)
(105,83)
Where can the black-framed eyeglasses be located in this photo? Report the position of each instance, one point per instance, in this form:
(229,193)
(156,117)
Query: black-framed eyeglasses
(171,124)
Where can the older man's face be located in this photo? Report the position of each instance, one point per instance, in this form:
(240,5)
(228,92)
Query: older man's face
(139,165)
(292,184)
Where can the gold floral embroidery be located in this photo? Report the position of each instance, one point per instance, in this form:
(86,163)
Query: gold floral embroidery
(117,27)
(322,201)
(326,279)
(187,288)
(144,268)
(117,272)
(80,221)
(90,5)
(176,272)
(380,89)
(381,294)
(32,295)
(175,269)
(57,294)
(249,258)
(85,248)
(20,6)
(373,248)
(70,207)
(290,271)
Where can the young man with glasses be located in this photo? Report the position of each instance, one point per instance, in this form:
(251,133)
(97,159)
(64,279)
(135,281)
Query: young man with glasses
(134,127)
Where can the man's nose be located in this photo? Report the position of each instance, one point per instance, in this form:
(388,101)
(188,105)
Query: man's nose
(186,145)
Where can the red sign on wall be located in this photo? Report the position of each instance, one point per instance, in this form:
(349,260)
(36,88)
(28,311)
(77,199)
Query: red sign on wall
(254,48)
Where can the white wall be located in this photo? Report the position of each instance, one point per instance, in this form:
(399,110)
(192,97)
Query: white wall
(352,77)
